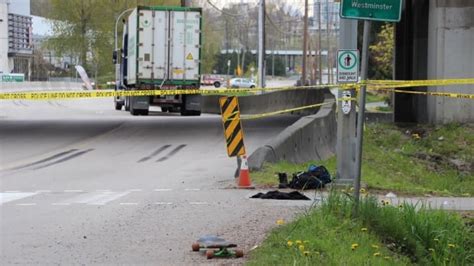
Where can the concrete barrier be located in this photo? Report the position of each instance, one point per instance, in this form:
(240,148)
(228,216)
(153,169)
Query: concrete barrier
(312,137)
(270,102)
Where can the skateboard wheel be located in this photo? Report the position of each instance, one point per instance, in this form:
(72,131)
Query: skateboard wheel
(209,254)
(196,247)
(239,253)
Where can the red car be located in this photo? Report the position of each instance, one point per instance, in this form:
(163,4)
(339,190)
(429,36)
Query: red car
(215,80)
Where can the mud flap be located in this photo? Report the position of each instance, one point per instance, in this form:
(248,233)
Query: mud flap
(192,102)
(140,102)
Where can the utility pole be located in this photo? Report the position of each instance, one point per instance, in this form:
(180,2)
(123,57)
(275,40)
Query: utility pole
(261,44)
(327,44)
(305,43)
(186,3)
(319,45)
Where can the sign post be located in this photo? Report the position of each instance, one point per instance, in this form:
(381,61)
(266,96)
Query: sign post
(379,10)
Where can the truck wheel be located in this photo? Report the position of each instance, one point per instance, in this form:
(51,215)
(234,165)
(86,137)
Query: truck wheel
(144,112)
(127,104)
(217,84)
(252,87)
(164,109)
(118,106)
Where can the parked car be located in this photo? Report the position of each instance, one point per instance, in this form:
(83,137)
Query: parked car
(214,80)
(242,83)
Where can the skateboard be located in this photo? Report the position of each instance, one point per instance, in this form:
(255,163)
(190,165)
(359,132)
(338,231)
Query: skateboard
(216,247)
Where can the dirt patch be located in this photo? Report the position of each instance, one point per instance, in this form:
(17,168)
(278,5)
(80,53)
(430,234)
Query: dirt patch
(438,162)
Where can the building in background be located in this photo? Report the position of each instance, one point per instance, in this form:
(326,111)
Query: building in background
(16,38)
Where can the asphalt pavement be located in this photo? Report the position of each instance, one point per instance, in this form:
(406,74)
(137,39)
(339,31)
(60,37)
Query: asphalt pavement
(81,183)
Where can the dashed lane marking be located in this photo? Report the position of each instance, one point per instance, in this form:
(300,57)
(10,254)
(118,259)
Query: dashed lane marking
(61,204)
(128,203)
(12,191)
(192,189)
(162,189)
(163,203)
(198,203)
(26,204)
(135,190)
(73,191)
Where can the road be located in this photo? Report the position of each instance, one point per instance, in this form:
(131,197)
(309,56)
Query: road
(82,183)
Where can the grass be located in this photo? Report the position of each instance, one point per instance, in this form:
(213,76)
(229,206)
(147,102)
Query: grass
(412,160)
(372,97)
(381,234)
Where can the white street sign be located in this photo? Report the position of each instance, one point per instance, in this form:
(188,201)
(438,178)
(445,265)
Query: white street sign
(346,104)
(347,66)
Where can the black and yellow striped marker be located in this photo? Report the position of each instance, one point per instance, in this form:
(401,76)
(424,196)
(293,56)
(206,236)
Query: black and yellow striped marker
(233,132)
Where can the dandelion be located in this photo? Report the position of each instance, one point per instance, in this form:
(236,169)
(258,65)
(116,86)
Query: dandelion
(306,253)
(451,245)
(416,136)
(301,248)
(280,221)
(431,249)
(387,257)
(363,229)
(436,240)
(351,189)
(376,254)
(354,246)
(400,206)
(289,243)
(298,242)
(362,190)
(375,246)
(306,241)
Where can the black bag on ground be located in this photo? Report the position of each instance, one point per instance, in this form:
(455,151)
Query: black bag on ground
(316,177)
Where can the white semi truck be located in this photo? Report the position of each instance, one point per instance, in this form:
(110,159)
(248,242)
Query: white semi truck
(161,49)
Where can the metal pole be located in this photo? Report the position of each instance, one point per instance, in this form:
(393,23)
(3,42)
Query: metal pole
(305,43)
(319,45)
(261,44)
(361,114)
(327,35)
(346,123)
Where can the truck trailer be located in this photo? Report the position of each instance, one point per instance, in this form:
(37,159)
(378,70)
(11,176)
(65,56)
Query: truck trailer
(161,50)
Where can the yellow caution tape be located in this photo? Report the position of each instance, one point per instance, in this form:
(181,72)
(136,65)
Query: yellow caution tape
(441,94)
(371,84)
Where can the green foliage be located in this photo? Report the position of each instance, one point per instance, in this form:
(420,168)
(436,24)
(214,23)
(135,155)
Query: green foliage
(394,159)
(85,29)
(381,234)
(381,53)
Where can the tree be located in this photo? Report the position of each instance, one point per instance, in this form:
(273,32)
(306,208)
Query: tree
(85,29)
(381,53)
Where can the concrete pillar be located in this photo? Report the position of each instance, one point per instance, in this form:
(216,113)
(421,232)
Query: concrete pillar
(451,55)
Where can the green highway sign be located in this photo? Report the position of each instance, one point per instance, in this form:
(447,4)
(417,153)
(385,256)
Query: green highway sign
(381,10)
(14,77)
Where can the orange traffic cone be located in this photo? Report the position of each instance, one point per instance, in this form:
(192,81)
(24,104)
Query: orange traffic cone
(244,178)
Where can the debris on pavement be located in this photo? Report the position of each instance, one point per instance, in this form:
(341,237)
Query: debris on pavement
(278,195)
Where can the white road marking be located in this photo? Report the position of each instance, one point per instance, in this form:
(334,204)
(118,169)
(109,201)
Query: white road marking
(73,191)
(96,198)
(135,190)
(12,191)
(26,204)
(43,191)
(192,189)
(163,203)
(61,204)
(103,190)
(162,189)
(11,196)
(128,203)
(198,203)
